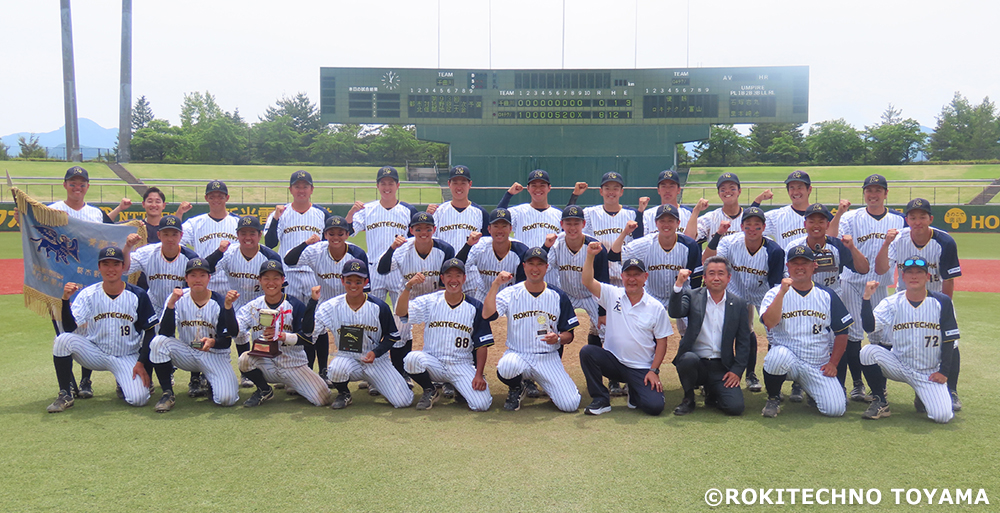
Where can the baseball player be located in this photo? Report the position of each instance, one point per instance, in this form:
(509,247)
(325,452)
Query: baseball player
(605,222)
(636,339)
(785,224)
(289,225)
(153,202)
(364,330)
(454,329)
(808,324)
(77,183)
(540,319)
(203,233)
(921,326)
(941,253)
(488,256)
(758,265)
(294,323)
(702,227)
(116,321)
(458,218)
(668,187)
(533,221)
(196,330)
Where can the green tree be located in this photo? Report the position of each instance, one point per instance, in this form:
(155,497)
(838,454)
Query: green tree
(683,157)
(894,140)
(394,144)
(31,149)
(275,141)
(834,142)
(341,144)
(783,149)
(725,147)
(222,139)
(157,142)
(304,115)
(3,152)
(966,132)
(142,114)
(763,135)
(197,108)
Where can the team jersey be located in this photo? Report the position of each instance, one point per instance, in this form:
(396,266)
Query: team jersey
(87,213)
(407,262)
(454,225)
(293,228)
(318,258)
(451,334)
(808,322)
(530,316)
(162,275)
(941,254)
(917,332)
(243,273)
(529,224)
(566,266)
(605,227)
(663,265)
(753,274)
(292,319)
(785,224)
(708,224)
(381,225)
(831,258)
(114,324)
(203,234)
(374,318)
(188,322)
(649,219)
(869,234)
(483,259)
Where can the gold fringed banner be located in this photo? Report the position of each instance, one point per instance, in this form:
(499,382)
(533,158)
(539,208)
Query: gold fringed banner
(43,214)
(41,303)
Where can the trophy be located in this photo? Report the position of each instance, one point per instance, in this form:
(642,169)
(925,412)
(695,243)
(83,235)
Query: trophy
(266,348)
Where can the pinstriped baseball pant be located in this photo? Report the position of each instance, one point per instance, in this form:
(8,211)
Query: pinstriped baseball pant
(87,354)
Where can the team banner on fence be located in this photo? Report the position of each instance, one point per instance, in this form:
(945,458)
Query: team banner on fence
(58,249)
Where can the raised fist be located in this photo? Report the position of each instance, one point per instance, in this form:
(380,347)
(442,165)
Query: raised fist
(516,188)
(630,227)
(764,196)
(313,239)
(643,203)
(231,297)
(594,248)
(356,207)
(848,241)
(174,296)
(69,289)
(184,208)
(682,276)
(891,235)
(550,239)
(432,208)
(844,206)
(785,283)
(579,188)
(314,292)
(278,210)
(417,279)
(132,240)
(870,289)
(503,277)
(473,238)
(701,205)
(398,241)
(223,246)
(724,226)
(125,203)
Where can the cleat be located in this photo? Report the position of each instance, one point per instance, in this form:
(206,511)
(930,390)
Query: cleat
(245,382)
(919,405)
(448,391)
(166,403)
(342,401)
(373,392)
(615,389)
(858,393)
(152,388)
(279,386)
(796,396)
(771,408)
(409,382)
(63,401)
(329,384)
(362,385)
(810,401)
(194,387)
(686,406)
(956,403)
(753,384)
(427,400)
(598,406)
(86,389)
(514,397)
(119,392)
(291,391)
(259,397)
(531,389)
(876,410)
(459,398)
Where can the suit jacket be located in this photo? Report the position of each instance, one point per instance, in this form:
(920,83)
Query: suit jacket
(737,341)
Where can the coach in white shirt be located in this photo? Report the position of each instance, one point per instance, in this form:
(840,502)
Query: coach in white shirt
(636,340)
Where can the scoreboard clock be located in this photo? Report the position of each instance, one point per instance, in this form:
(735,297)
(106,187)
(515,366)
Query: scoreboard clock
(673,96)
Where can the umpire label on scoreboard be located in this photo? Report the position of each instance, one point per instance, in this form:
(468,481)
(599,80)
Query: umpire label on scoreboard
(919,497)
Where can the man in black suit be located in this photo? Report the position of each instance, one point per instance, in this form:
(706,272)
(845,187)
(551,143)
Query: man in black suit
(714,350)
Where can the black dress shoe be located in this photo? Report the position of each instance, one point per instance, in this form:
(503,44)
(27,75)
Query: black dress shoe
(686,406)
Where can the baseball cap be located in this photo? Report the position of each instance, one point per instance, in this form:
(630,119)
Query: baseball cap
(800,252)
(461,172)
(421,218)
(666,210)
(633,262)
(668,174)
(355,267)
(337,222)
(818,208)
(915,261)
(272,265)
(727,177)
(754,212)
(918,204)
(249,222)
(612,176)
(216,186)
(572,212)
(300,175)
(197,263)
(387,172)
(539,174)
(500,214)
(171,222)
(76,171)
(111,253)
(536,252)
(875,179)
(452,263)
(798,176)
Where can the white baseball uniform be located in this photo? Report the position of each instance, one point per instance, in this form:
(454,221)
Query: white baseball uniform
(87,213)
(243,273)
(941,254)
(292,229)
(328,270)
(708,224)
(785,224)
(482,259)
(381,226)
(406,262)
(663,265)
(531,225)
(649,219)
(868,232)
(605,227)
(833,257)
(203,234)
(454,226)
(162,275)
(753,274)
(566,273)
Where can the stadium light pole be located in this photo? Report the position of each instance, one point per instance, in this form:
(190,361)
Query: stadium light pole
(69,85)
(125,92)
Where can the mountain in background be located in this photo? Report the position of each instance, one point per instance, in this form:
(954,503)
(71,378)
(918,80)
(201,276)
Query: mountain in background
(93,139)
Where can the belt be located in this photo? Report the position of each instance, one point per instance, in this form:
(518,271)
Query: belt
(711,359)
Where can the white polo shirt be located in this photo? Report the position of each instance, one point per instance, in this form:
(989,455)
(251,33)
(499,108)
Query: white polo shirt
(632,330)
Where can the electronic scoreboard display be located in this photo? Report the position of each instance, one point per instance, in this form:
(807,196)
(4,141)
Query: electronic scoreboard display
(565,97)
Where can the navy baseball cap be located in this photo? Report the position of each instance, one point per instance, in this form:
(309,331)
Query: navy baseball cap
(800,252)
(798,176)
(668,174)
(300,175)
(572,212)
(754,212)
(915,261)
(818,208)
(453,263)
(612,176)
(216,186)
(460,172)
(76,171)
(633,262)
(170,222)
(111,253)
(667,210)
(536,252)
(539,174)
(918,204)
(272,265)
(500,214)
(387,172)
(197,263)
(249,222)
(727,177)
(337,222)
(355,267)
(875,179)
(421,218)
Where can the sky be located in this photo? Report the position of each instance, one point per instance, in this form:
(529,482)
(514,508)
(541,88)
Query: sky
(862,55)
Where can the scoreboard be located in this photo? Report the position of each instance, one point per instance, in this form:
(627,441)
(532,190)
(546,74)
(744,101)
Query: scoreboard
(673,96)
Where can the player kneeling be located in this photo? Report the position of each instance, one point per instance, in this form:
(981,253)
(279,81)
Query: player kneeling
(914,321)
(294,320)
(454,330)
(196,331)
(364,330)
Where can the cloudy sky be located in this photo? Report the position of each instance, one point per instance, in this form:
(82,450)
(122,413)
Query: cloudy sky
(862,55)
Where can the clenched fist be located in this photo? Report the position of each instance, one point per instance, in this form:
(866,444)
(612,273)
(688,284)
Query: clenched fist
(69,289)
(515,188)
(398,241)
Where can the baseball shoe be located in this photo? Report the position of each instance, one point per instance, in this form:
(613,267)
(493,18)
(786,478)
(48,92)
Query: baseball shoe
(810,401)
(362,385)
(194,387)
(459,398)
(86,389)
(514,397)
(291,391)
(63,400)
(166,403)
(279,386)
(259,397)
(858,393)
(448,391)
(152,387)
(531,389)
(372,391)
(119,392)
(956,403)
(598,406)
(342,401)
(426,401)
(686,406)
(796,396)
(876,410)
(615,389)
(919,405)
(209,393)
(771,408)
(409,382)
(329,383)
(245,382)
(753,384)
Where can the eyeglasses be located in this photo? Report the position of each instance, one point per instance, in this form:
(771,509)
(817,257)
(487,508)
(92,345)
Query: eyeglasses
(915,262)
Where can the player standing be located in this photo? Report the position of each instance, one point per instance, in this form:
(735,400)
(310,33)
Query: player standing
(460,217)
(785,224)
(489,256)
(668,187)
(533,221)
(605,222)
(203,233)
(153,203)
(728,187)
